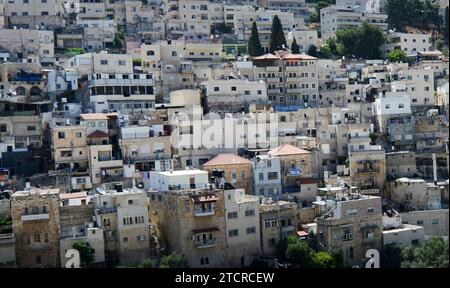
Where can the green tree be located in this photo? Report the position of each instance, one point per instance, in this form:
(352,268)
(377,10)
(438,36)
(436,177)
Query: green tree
(360,42)
(445,26)
(431,254)
(277,39)
(312,51)
(117,43)
(75,51)
(294,47)
(86,252)
(391,256)
(419,14)
(254,44)
(325,52)
(373,138)
(398,55)
(324,260)
(147,263)
(299,253)
(174,260)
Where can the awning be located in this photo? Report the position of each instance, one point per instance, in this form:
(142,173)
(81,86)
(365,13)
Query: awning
(204,198)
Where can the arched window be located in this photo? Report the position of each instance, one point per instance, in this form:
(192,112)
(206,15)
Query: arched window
(35,91)
(174,53)
(150,53)
(20,90)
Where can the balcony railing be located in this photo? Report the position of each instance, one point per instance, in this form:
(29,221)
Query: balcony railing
(368,170)
(106,210)
(206,243)
(112,178)
(203,213)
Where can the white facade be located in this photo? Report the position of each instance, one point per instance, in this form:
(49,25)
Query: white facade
(410,43)
(177,180)
(267,175)
(334,18)
(242,224)
(417,83)
(304,39)
(391,104)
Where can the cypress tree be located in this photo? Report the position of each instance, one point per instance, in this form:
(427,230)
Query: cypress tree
(254,44)
(294,48)
(277,39)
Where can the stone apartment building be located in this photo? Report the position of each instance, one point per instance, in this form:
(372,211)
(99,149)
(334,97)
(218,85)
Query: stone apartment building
(35,13)
(400,164)
(410,43)
(242,226)
(192,223)
(400,234)
(434,222)
(295,165)
(334,18)
(351,226)
(415,194)
(291,78)
(267,175)
(367,162)
(76,220)
(278,220)
(124,218)
(36,227)
(233,95)
(238,171)
(22,43)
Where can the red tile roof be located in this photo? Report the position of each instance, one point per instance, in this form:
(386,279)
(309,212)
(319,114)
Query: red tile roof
(98,134)
(227,159)
(287,149)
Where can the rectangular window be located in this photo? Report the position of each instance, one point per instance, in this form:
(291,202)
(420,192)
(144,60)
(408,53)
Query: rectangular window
(61,135)
(37,238)
(38,259)
(232,215)
(103,62)
(233,232)
(251,230)
(122,62)
(31,128)
(272,175)
(249,213)
(435,221)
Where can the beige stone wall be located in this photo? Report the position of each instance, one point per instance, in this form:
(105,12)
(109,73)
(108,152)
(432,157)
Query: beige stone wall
(362,177)
(48,251)
(354,250)
(241,183)
(174,217)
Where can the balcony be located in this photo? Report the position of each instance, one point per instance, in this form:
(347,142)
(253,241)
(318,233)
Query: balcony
(35,217)
(206,243)
(368,170)
(106,210)
(112,178)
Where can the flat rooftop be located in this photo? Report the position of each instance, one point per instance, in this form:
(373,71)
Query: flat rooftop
(183,172)
(36,191)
